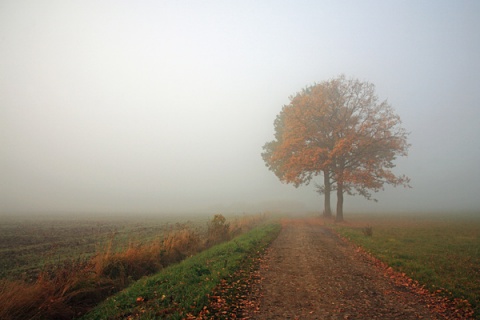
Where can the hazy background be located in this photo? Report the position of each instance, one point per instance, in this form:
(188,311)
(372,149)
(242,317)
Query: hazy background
(164,106)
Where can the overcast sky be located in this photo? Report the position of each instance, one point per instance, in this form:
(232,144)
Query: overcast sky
(164,106)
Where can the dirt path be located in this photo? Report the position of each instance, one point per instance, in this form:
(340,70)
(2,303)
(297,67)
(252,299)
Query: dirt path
(309,273)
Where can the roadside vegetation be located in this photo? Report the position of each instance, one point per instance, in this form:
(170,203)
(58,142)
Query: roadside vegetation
(182,290)
(72,286)
(441,252)
(30,243)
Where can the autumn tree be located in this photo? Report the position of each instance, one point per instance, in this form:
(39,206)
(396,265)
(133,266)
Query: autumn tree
(300,151)
(338,129)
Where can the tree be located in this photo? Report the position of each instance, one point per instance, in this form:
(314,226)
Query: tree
(300,151)
(338,129)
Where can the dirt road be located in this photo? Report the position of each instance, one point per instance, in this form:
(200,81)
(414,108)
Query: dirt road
(309,273)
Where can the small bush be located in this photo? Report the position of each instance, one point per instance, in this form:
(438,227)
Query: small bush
(367,231)
(218,230)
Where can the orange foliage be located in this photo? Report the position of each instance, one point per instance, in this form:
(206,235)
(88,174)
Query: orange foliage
(338,128)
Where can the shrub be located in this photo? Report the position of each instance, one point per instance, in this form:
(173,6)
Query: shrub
(368,231)
(218,230)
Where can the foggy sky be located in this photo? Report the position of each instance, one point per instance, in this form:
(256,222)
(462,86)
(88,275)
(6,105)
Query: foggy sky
(164,106)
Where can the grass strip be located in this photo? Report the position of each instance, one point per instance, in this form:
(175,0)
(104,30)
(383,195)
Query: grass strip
(442,254)
(183,289)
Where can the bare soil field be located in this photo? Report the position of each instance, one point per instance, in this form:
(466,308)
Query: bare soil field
(310,273)
(29,243)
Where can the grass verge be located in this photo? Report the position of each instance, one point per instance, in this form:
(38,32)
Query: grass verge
(182,290)
(440,252)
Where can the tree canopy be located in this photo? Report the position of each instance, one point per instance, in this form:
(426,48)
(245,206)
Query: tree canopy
(339,129)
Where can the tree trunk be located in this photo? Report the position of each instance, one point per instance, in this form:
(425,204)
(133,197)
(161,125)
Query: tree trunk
(327,212)
(339,217)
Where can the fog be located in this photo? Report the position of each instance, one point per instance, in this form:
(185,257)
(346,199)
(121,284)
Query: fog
(164,106)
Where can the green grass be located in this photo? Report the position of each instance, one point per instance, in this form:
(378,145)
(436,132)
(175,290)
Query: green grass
(442,252)
(183,288)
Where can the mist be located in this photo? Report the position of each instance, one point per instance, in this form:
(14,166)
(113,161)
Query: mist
(164,106)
